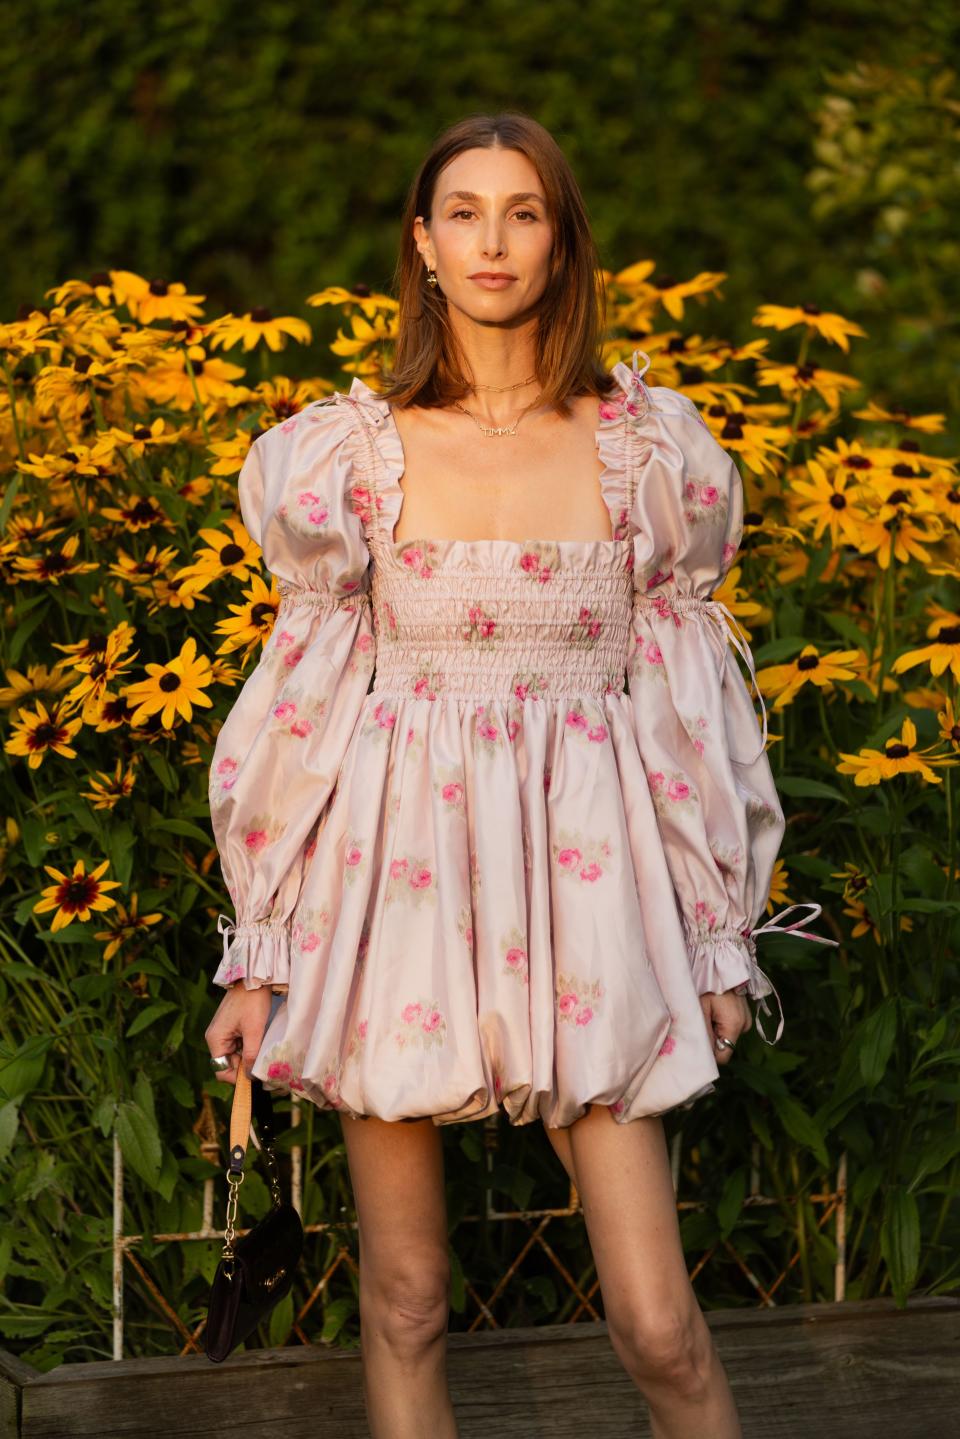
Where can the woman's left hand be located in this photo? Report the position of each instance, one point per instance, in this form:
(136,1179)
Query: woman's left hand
(727,1016)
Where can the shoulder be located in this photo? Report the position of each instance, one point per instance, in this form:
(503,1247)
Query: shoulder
(299,473)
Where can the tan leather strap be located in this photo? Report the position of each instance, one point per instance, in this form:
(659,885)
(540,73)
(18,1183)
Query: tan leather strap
(240,1114)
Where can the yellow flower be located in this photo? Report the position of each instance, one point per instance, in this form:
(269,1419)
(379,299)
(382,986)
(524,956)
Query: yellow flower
(795,380)
(51,568)
(369,301)
(38,680)
(669,292)
(77,895)
(253,622)
(124,926)
(877,414)
(942,654)
(115,787)
(830,503)
(901,540)
(873,766)
(233,554)
(865,924)
(258,324)
(949,725)
(831,326)
(38,733)
(100,660)
(149,300)
(172,689)
(810,667)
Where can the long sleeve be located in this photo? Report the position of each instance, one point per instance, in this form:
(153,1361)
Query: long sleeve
(278,753)
(713,790)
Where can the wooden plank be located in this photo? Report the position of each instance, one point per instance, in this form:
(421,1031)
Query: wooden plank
(794,1371)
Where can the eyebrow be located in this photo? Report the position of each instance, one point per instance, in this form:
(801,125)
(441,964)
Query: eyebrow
(511,199)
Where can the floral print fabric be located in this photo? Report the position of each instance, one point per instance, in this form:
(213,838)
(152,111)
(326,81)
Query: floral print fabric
(496,813)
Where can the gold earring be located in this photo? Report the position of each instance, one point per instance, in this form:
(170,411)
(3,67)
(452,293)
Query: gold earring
(432,277)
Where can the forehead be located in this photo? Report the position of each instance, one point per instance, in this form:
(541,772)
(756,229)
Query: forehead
(495,175)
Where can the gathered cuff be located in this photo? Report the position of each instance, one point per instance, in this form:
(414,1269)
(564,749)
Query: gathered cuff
(258,954)
(723,959)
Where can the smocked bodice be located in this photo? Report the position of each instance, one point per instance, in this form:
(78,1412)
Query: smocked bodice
(502,618)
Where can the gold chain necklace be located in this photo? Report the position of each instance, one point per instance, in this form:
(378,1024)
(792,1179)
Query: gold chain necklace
(518,386)
(510,429)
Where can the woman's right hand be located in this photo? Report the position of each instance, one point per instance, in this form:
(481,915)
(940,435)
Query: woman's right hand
(237,1028)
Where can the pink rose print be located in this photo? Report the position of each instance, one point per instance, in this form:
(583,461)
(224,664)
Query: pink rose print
(362,1029)
(353,855)
(283,639)
(577,999)
(318,512)
(516,962)
(668,1045)
(709,494)
(284,1067)
(678,789)
(228,765)
(411,879)
(284,710)
(422,1025)
(610,409)
(617,1107)
(255,840)
(576,854)
(289,425)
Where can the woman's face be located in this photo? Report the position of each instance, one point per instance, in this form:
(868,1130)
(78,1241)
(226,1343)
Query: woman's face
(489,214)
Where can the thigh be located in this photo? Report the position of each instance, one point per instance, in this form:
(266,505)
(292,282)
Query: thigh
(629,1207)
(396,1172)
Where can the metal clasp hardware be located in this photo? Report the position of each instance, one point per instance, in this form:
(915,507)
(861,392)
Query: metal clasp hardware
(234,1180)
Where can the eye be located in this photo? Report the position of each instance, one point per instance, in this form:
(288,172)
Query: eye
(532,213)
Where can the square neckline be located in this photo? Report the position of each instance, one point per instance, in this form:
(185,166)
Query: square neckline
(395,546)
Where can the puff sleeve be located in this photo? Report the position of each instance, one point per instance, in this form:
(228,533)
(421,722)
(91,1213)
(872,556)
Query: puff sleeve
(278,753)
(717,807)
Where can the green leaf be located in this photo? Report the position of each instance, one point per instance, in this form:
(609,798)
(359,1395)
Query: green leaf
(458,1287)
(182,827)
(280,1324)
(900,1241)
(877,1036)
(9,1122)
(846,628)
(21,1072)
(139,1142)
(161,768)
(731,1200)
(934,1157)
(801,1126)
(104,1115)
(335,1315)
(801,788)
(148,1014)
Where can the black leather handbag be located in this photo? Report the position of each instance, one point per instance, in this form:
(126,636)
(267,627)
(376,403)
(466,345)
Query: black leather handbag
(256,1271)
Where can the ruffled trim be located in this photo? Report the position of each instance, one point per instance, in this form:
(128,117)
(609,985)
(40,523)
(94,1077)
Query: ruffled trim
(726,959)
(259,954)
(385,481)
(613,447)
(611,440)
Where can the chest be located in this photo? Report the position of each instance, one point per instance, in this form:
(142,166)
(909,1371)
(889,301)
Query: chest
(542,483)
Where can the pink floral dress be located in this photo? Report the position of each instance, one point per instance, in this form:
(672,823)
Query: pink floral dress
(496,813)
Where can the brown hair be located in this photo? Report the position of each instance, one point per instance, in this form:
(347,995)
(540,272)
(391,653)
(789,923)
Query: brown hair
(572,309)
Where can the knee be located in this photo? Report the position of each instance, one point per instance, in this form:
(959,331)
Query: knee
(408,1307)
(670,1348)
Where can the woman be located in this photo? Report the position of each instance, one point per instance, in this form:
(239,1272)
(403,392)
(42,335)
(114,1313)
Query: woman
(498,876)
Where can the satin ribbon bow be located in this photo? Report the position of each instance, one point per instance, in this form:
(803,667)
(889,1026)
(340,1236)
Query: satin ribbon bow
(796,928)
(716,608)
(226,927)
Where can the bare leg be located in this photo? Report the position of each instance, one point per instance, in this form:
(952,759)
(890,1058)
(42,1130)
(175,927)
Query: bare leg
(396,1172)
(656,1326)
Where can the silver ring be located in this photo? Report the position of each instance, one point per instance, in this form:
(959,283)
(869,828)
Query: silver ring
(220,1061)
(728,1043)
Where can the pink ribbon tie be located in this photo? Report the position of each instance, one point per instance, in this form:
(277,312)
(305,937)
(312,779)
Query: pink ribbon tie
(796,928)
